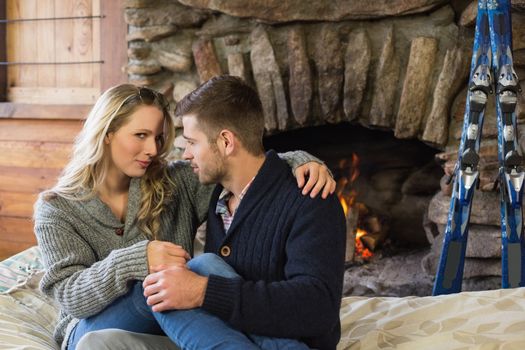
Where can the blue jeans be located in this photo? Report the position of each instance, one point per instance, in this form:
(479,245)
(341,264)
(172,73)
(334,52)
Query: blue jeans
(189,329)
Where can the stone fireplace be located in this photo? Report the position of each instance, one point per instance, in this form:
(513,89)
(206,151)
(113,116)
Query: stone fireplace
(382,80)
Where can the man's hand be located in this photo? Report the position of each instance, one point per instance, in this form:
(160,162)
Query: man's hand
(319,178)
(175,288)
(162,255)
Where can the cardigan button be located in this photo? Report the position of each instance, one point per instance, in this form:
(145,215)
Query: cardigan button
(119,231)
(225,251)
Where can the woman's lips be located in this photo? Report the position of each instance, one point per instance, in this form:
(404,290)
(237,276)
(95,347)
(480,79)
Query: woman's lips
(144,164)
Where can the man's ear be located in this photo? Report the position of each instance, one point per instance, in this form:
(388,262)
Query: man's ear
(227,141)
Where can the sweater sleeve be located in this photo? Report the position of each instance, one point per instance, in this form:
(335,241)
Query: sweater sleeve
(82,284)
(311,289)
(297,158)
(191,189)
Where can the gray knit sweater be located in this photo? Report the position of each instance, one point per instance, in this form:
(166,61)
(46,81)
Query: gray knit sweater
(88,265)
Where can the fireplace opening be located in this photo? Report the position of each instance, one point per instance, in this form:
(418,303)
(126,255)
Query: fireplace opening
(385,185)
(396,178)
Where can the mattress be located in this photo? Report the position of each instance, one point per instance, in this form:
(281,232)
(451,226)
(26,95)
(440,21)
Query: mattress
(470,320)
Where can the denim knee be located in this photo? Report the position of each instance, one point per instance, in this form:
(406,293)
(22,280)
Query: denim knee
(210,264)
(94,340)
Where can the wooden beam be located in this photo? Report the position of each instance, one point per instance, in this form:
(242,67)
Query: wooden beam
(38,111)
(113,48)
(43,130)
(3,52)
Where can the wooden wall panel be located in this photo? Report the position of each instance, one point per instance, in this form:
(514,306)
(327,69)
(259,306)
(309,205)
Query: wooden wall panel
(38,129)
(13,35)
(12,243)
(45,39)
(23,227)
(29,180)
(32,154)
(54,41)
(113,49)
(17,204)
(3,53)
(8,248)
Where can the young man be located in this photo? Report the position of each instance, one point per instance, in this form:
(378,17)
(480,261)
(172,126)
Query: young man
(288,249)
(276,266)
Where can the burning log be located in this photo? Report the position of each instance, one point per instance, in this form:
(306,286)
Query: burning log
(351,228)
(373,240)
(365,231)
(376,232)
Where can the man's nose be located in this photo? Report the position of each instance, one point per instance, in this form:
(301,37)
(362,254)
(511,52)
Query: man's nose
(187,154)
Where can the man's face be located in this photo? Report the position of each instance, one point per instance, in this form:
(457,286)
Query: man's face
(206,160)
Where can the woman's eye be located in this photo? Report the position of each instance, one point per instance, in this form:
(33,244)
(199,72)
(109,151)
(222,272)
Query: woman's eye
(141,135)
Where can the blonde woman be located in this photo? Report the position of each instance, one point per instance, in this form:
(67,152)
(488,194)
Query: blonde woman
(120,208)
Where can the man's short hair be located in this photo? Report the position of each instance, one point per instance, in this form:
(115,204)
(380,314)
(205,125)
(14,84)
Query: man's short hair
(227,102)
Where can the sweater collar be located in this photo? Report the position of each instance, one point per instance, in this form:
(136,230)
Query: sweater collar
(103,214)
(271,171)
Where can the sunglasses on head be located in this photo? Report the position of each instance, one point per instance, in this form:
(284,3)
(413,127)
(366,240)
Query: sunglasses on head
(149,96)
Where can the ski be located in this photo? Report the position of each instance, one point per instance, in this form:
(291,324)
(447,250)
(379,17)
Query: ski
(449,274)
(492,57)
(511,172)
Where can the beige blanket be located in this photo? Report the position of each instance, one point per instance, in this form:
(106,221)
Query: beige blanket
(469,320)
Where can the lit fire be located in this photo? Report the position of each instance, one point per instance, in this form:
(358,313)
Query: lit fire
(347,196)
(360,249)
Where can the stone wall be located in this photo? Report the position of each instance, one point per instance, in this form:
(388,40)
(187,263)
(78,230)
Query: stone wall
(387,64)
(390,64)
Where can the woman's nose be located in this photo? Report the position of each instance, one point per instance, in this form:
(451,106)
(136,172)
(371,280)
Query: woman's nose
(151,147)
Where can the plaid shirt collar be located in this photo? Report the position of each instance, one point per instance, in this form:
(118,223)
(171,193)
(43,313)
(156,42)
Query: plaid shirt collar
(224,197)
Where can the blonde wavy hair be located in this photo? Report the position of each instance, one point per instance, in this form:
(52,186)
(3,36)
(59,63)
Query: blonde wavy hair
(87,169)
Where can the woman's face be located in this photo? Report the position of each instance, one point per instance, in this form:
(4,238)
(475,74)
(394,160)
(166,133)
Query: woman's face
(136,143)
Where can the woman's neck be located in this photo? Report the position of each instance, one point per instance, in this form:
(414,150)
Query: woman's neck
(115,184)
(114,193)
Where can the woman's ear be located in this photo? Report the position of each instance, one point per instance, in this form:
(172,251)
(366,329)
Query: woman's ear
(107,138)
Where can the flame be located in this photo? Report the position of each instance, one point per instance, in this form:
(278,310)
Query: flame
(344,205)
(360,249)
(347,196)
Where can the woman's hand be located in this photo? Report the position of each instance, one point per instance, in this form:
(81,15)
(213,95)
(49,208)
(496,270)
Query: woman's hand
(319,178)
(162,255)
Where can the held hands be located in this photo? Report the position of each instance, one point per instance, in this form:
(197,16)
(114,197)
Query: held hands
(319,178)
(162,255)
(174,288)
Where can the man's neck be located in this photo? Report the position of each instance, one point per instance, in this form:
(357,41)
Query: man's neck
(241,171)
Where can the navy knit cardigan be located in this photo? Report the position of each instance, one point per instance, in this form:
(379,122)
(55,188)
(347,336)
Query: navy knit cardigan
(289,250)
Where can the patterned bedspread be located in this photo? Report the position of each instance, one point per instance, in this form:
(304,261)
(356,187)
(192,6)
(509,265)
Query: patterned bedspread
(468,320)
